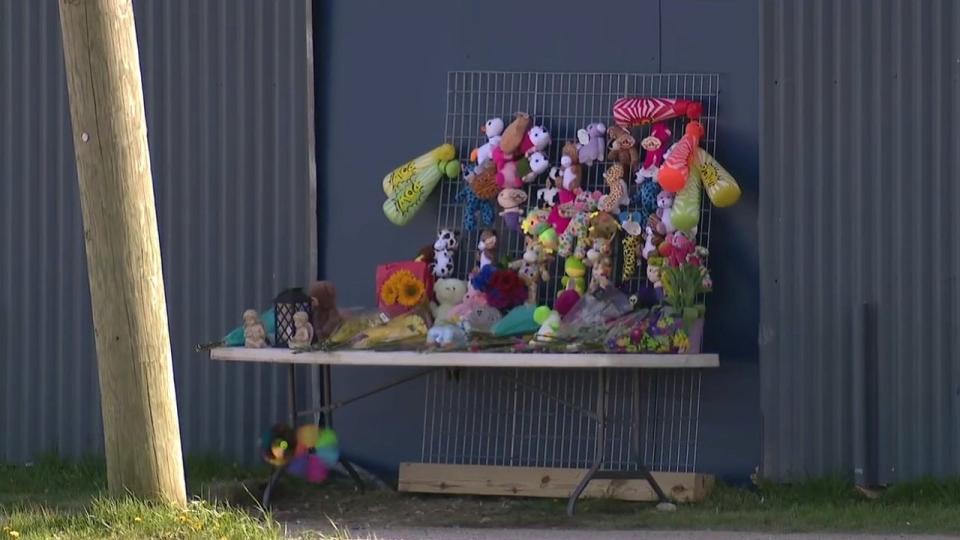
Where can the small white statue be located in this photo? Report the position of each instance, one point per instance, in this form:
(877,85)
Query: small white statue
(254,334)
(302,331)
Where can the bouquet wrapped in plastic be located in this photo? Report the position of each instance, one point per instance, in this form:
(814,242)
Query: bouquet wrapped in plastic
(651,331)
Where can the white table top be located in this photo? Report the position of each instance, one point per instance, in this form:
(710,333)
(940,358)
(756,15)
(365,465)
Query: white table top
(467,359)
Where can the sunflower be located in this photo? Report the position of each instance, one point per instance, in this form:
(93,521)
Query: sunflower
(388,292)
(410,291)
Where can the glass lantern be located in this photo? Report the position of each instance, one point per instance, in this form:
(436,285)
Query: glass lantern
(286,304)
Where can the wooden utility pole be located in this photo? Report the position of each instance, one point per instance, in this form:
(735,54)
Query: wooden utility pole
(140,425)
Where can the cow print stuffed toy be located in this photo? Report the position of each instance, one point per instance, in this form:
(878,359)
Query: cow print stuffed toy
(444,253)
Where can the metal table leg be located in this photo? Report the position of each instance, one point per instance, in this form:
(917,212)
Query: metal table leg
(603,389)
(268,490)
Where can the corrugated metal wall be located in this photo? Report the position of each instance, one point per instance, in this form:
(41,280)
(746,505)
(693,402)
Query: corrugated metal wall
(226,89)
(859,198)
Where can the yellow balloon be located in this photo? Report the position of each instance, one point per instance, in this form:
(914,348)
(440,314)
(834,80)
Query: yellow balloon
(720,186)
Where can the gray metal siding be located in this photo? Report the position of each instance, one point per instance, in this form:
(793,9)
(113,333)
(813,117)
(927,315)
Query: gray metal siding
(225,84)
(859,162)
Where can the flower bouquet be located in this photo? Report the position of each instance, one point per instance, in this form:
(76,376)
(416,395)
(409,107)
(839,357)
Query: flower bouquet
(648,331)
(403,286)
(683,287)
(502,287)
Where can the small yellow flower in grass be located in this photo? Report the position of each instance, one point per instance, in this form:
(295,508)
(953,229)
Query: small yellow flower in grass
(14,534)
(138,519)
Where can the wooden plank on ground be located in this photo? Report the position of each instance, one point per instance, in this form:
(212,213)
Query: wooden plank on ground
(468,359)
(544,482)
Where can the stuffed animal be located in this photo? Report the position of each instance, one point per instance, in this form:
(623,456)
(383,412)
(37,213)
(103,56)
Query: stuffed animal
(664,210)
(493,128)
(603,229)
(631,246)
(472,300)
(572,174)
(676,164)
(652,242)
(303,331)
(623,149)
(574,275)
(325,314)
(655,145)
(514,135)
(537,139)
(511,200)
(646,199)
(444,253)
(477,211)
(486,248)
(254,333)
(618,195)
(632,111)
(591,143)
(557,219)
(573,241)
(654,267)
(531,167)
(548,196)
(449,293)
(446,336)
(677,247)
(532,267)
(480,319)
(549,321)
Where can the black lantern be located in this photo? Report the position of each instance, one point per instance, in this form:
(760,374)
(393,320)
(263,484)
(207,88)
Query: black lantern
(286,305)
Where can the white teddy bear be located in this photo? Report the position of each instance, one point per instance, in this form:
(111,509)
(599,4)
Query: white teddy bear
(449,293)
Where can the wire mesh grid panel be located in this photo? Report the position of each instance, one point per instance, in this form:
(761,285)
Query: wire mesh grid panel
(563,103)
(551,418)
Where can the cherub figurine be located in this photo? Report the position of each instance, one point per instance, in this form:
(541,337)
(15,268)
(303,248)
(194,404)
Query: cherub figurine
(254,334)
(303,331)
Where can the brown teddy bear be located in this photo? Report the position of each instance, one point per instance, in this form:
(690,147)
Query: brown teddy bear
(623,149)
(326,316)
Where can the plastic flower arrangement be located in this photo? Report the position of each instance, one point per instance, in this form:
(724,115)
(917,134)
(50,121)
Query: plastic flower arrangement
(648,332)
(403,288)
(683,286)
(502,287)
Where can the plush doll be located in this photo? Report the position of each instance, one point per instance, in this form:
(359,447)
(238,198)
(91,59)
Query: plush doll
(633,111)
(511,200)
(326,317)
(532,267)
(591,143)
(664,210)
(652,242)
(676,164)
(449,293)
(574,275)
(446,336)
(444,253)
(486,248)
(531,167)
(603,229)
(549,321)
(572,173)
(655,145)
(623,149)
(631,246)
(493,128)
(573,241)
(565,301)
(618,196)
(480,319)
(254,334)
(477,211)
(514,135)
(676,248)
(536,140)
(472,300)
(654,267)
(557,218)
(548,196)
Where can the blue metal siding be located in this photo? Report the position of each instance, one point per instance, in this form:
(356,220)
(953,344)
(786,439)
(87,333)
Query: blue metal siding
(860,115)
(226,101)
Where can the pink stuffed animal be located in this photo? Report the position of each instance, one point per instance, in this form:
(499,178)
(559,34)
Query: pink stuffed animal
(472,300)
(655,145)
(677,247)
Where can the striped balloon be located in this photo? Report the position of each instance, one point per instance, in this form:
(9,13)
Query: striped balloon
(630,112)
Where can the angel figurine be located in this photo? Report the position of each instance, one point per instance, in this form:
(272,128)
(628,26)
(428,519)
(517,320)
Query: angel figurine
(303,331)
(254,334)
